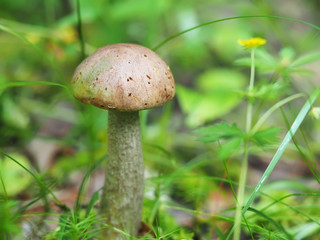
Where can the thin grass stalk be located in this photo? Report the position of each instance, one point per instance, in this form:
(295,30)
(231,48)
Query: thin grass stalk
(80,32)
(161,44)
(35,177)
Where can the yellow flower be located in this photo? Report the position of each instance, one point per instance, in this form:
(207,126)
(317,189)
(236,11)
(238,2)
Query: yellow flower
(252,42)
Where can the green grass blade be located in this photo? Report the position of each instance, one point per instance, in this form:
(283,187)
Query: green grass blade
(294,185)
(31,83)
(80,33)
(269,219)
(39,50)
(95,198)
(233,18)
(272,109)
(5,194)
(34,176)
(294,127)
(302,154)
(84,180)
(311,219)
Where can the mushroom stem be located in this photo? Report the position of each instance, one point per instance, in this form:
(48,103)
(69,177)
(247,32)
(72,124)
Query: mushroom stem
(122,196)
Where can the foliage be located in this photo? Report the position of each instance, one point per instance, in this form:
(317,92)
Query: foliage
(194,147)
(8,220)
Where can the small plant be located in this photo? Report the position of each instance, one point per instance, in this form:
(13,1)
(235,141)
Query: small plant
(71,227)
(8,219)
(255,134)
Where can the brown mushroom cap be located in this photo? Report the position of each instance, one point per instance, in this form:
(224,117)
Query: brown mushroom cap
(123,77)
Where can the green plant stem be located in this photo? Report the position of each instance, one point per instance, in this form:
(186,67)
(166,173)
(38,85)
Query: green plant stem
(81,38)
(268,113)
(244,167)
(240,194)
(251,84)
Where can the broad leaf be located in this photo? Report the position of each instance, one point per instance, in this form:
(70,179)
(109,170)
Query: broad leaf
(230,147)
(266,136)
(216,94)
(220,131)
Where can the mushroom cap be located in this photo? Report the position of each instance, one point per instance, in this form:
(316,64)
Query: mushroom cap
(123,77)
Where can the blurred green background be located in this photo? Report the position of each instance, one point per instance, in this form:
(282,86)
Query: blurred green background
(47,128)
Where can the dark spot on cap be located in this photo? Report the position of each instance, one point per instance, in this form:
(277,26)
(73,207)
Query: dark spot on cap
(129,94)
(130,78)
(148,82)
(106,89)
(148,77)
(165,89)
(146,104)
(129,62)
(145,55)
(97,78)
(169,77)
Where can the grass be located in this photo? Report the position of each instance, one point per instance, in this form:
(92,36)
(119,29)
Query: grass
(259,215)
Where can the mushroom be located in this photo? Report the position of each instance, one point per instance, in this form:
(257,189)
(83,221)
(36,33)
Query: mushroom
(124,79)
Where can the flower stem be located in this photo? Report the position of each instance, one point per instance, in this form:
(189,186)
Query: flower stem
(244,167)
(251,84)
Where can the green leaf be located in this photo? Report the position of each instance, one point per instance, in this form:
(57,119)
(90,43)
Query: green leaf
(38,179)
(266,136)
(304,231)
(216,94)
(8,220)
(187,98)
(230,147)
(287,54)
(13,176)
(265,57)
(306,59)
(270,91)
(246,62)
(203,107)
(94,199)
(220,79)
(220,131)
(280,228)
(30,83)
(13,115)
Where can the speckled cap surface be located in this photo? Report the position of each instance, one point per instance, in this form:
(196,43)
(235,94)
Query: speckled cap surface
(123,77)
